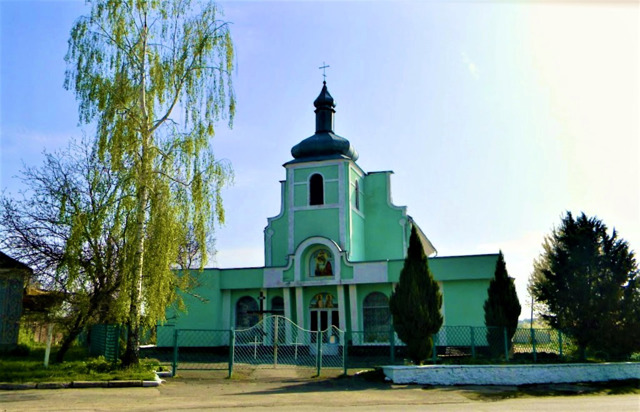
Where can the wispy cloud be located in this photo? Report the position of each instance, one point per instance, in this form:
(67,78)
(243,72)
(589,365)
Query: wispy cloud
(471,66)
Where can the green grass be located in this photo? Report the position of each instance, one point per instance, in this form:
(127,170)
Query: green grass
(78,367)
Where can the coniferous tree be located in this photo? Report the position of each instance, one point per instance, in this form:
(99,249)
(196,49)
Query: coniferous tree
(588,282)
(501,309)
(415,303)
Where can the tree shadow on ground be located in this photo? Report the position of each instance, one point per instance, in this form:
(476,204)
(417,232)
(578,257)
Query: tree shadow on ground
(366,380)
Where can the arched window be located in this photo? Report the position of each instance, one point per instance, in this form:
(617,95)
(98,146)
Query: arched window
(316,190)
(246,312)
(277,306)
(376,318)
(357,196)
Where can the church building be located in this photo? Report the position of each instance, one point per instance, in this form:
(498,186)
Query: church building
(333,254)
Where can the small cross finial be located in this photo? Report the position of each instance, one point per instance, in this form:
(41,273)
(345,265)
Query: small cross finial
(324,73)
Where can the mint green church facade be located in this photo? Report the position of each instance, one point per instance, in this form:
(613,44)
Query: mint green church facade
(333,253)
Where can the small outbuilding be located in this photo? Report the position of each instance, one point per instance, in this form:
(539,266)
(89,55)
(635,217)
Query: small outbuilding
(13,277)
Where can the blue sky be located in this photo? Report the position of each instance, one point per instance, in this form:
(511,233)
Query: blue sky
(495,117)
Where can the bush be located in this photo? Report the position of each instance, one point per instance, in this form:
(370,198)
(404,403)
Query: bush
(20,350)
(99,365)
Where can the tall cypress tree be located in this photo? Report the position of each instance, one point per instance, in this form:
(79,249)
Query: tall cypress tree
(501,309)
(415,303)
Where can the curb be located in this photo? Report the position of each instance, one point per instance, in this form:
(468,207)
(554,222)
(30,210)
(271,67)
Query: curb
(87,384)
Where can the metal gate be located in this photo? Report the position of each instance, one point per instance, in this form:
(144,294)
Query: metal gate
(276,342)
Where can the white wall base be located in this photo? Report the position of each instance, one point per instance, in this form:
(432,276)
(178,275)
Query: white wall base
(512,374)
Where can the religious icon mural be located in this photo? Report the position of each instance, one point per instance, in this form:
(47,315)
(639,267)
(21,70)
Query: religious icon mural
(323,301)
(321,263)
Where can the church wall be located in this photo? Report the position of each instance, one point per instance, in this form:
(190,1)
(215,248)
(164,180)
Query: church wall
(293,304)
(463,267)
(347,308)
(300,195)
(241,278)
(276,232)
(346,271)
(198,314)
(289,275)
(278,244)
(331,190)
(463,302)
(303,173)
(385,223)
(317,222)
(356,234)
(450,268)
(363,291)
(272,293)
(394,268)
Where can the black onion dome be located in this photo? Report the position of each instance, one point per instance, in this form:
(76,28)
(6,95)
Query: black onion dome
(324,144)
(324,99)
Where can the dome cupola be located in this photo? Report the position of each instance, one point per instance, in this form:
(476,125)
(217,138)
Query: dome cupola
(324,144)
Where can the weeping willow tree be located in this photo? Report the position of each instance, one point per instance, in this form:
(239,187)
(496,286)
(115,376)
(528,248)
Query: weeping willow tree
(154,77)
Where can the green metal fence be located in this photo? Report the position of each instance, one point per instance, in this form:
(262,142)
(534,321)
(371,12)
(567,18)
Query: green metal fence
(201,349)
(457,343)
(276,342)
(104,340)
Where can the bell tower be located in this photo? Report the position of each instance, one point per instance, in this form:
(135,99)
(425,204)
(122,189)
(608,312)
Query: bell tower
(323,183)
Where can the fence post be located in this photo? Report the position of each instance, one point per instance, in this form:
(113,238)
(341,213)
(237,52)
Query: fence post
(174,364)
(344,352)
(434,354)
(473,342)
(275,343)
(48,349)
(392,345)
(318,352)
(506,345)
(560,342)
(533,345)
(232,348)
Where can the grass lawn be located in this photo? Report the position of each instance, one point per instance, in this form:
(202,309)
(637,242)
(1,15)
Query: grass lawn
(78,367)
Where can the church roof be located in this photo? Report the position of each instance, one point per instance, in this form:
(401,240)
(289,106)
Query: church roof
(324,144)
